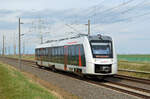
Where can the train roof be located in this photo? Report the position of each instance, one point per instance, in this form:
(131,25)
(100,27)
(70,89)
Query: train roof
(99,37)
(79,38)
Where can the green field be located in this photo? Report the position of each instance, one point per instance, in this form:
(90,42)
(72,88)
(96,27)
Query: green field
(134,62)
(134,58)
(14,85)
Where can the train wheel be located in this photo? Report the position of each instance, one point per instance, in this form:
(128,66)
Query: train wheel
(38,65)
(53,69)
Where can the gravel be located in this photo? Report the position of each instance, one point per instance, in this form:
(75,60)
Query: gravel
(74,86)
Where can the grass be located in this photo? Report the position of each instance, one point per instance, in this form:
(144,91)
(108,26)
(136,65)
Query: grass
(27,57)
(134,62)
(138,75)
(134,58)
(140,66)
(14,85)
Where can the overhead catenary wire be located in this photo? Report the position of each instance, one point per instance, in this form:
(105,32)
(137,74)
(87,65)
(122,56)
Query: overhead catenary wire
(129,9)
(133,7)
(112,8)
(147,13)
(78,32)
(125,11)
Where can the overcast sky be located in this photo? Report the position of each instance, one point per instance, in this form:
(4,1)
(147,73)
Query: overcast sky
(44,4)
(52,4)
(127,21)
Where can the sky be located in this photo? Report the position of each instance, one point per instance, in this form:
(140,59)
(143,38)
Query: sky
(46,4)
(127,21)
(53,4)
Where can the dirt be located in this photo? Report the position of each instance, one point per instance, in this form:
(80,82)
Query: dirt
(60,93)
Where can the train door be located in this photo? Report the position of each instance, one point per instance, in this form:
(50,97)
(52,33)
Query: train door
(65,57)
(41,62)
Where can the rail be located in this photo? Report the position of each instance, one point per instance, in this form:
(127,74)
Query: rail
(134,71)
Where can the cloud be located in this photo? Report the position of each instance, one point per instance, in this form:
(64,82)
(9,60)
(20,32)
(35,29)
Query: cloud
(126,32)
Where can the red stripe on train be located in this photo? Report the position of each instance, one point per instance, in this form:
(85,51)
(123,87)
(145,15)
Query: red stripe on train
(72,42)
(80,63)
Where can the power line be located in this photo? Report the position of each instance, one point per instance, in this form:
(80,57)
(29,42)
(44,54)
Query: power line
(73,28)
(112,8)
(92,9)
(133,7)
(137,16)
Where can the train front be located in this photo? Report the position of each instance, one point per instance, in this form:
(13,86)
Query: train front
(103,57)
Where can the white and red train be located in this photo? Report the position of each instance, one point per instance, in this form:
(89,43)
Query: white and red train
(87,55)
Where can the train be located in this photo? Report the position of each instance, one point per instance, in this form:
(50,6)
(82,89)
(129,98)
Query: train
(88,55)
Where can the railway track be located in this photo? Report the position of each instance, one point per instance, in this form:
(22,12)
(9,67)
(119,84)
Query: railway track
(109,82)
(140,80)
(130,89)
(123,88)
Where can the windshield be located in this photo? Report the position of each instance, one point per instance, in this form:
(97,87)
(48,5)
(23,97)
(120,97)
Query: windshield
(102,49)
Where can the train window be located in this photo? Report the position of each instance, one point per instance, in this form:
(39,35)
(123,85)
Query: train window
(52,55)
(55,54)
(68,54)
(69,62)
(62,56)
(46,51)
(58,56)
(102,49)
(82,55)
(47,58)
(41,52)
(76,54)
(49,54)
(73,55)
(57,60)
(60,50)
